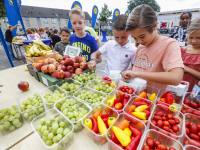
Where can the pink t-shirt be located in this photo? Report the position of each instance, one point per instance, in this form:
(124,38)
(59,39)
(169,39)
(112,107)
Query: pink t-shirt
(161,56)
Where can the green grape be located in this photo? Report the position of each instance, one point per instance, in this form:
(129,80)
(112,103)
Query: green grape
(55,126)
(38,128)
(50,136)
(19,125)
(46,132)
(6,124)
(44,138)
(5,117)
(60,131)
(66,131)
(59,137)
(11,118)
(16,121)
(48,142)
(62,124)
(12,128)
(43,128)
(1,128)
(55,139)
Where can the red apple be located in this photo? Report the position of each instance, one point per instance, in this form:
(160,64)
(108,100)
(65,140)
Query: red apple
(67,74)
(46,62)
(60,74)
(69,62)
(82,59)
(76,65)
(53,74)
(64,68)
(38,66)
(70,69)
(56,64)
(23,85)
(78,71)
(58,57)
(73,75)
(59,67)
(62,62)
(83,65)
(73,60)
(65,56)
(44,69)
(77,58)
(51,60)
(51,68)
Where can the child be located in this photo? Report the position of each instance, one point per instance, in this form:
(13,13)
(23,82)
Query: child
(60,46)
(80,38)
(158,55)
(30,35)
(191,55)
(55,37)
(120,52)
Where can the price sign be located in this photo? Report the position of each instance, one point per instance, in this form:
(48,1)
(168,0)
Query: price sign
(72,51)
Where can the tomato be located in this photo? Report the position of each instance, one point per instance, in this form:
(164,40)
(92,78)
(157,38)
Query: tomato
(174,135)
(126,96)
(175,128)
(160,123)
(198,126)
(177,121)
(130,91)
(198,134)
(146,147)
(166,128)
(193,105)
(165,123)
(159,113)
(183,111)
(150,142)
(189,110)
(123,90)
(171,122)
(187,130)
(162,147)
(171,148)
(154,122)
(193,129)
(187,124)
(156,143)
(157,118)
(164,118)
(196,113)
(169,116)
(163,132)
(194,136)
(186,101)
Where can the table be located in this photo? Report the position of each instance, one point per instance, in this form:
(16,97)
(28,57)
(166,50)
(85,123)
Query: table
(16,47)
(24,138)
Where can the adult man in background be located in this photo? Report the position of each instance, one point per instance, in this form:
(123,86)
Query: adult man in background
(47,32)
(9,37)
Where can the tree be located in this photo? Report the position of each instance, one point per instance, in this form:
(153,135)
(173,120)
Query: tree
(105,14)
(2,9)
(134,3)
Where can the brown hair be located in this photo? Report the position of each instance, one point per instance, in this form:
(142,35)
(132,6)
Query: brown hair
(28,31)
(36,30)
(65,29)
(41,30)
(77,11)
(194,26)
(32,29)
(142,16)
(119,23)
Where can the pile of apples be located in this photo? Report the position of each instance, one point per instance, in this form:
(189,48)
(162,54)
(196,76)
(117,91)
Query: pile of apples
(62,67)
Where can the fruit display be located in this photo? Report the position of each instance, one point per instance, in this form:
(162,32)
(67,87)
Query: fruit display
(98,121)
(167,122)
(23,86)
(31,107)
(10,117)
(84,78)
(55,131)
(38,48)
(52,94)
(140,109)
(74,110)
(99,85)
(125,133)
(154,140)
(70,86)
(92,97)
(192,130)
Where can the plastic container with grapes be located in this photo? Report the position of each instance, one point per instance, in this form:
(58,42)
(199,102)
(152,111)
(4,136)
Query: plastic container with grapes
(10,116)
(82,78)
(66,108)
(33,109)
(164,139)
(190,147)
(90,96)
(66,140)
(50,90)
(132,121)
(69,91)
(97,138)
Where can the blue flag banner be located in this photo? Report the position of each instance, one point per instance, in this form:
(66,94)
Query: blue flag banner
(127,13)
(75,4)
(115,13)
(11,13)
(5,47)
(95,12)
(15,3)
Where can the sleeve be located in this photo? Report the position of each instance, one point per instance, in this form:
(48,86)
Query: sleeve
(104,48)
(94,45)
(172,32)
(172,57)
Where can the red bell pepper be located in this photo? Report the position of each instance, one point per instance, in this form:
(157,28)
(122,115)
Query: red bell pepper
(146,97)
(114,138)
(131,118)
(134,143)
(94,125)
(130,114)
(105,120)
(164,95)
(121,97)
(163,106)
(122,147)
(125,101)
(139,103)
(147,114)
(169,98)
(116,101)
(144,91)
(132,137)
(105,115)
(135,131)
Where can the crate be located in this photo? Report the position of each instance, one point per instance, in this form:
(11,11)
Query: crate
(47,80)
(33,71)
(31,60)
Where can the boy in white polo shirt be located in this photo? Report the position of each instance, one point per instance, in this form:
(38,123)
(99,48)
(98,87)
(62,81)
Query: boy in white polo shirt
(120,52)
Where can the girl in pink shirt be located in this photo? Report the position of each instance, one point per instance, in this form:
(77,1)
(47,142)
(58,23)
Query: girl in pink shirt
(158,58)
(191,55)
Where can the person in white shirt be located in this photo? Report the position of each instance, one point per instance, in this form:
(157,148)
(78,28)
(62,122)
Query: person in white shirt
(120,52)
(37,37)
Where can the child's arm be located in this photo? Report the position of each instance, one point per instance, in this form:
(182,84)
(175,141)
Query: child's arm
(172,77)
(192,72)
(92,64)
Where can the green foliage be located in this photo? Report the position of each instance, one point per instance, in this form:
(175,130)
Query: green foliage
(134,3)
(2,9)
(105,14)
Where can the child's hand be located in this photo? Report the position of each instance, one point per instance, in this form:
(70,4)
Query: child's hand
(92,65)
(128,75)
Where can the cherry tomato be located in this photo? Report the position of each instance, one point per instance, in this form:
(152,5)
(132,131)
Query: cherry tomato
(164,118)
(189,110)
(160,123)
(165,123)
(156,143)
(187,130)
(162,147)
(157,118)
(159,113)
(171,122)
(198,126)
(146,147)
(183,111)
(177,121)
(186,101)
(175,128)
(163,132)
(193,105)
(187,124)
(198,134)
(150,142)
(174,135)
(166,128)
(171,148)
(194,136)
(154,122)
(193,129)
(169,116)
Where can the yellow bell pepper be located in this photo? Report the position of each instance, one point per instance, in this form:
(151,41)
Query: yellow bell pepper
(112,84)
(88,123)
(111,120)
(152,97)
(128,132)
(111,102)
(140,115)
(141,108)
(121,136)
(101,125)
(173,108)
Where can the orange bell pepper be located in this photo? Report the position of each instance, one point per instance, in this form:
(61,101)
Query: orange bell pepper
(98,113)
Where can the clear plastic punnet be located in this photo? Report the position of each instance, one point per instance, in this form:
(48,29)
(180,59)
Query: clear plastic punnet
(65,141)
(164,139)
(30,105)
(132,121)
(10,116)
(190,147)
(85,77)
(121,83)
(69,106)
(50,100)
(70,86)
(193,119)
(99,139)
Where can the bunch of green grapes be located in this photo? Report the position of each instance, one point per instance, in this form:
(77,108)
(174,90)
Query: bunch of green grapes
(56,96)
(32,107)
(70,87)
(83,78)
(10,119)
(53,130)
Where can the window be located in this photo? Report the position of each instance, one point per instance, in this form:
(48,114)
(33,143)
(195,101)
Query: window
(45,20)
(58,19)
(66,19)
(90,21)
(38,18)
(6,20)
(54,28)
(53,20)
(26,18)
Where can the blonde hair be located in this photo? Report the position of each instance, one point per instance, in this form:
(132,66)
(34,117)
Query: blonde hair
(194,26)
(77,11)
